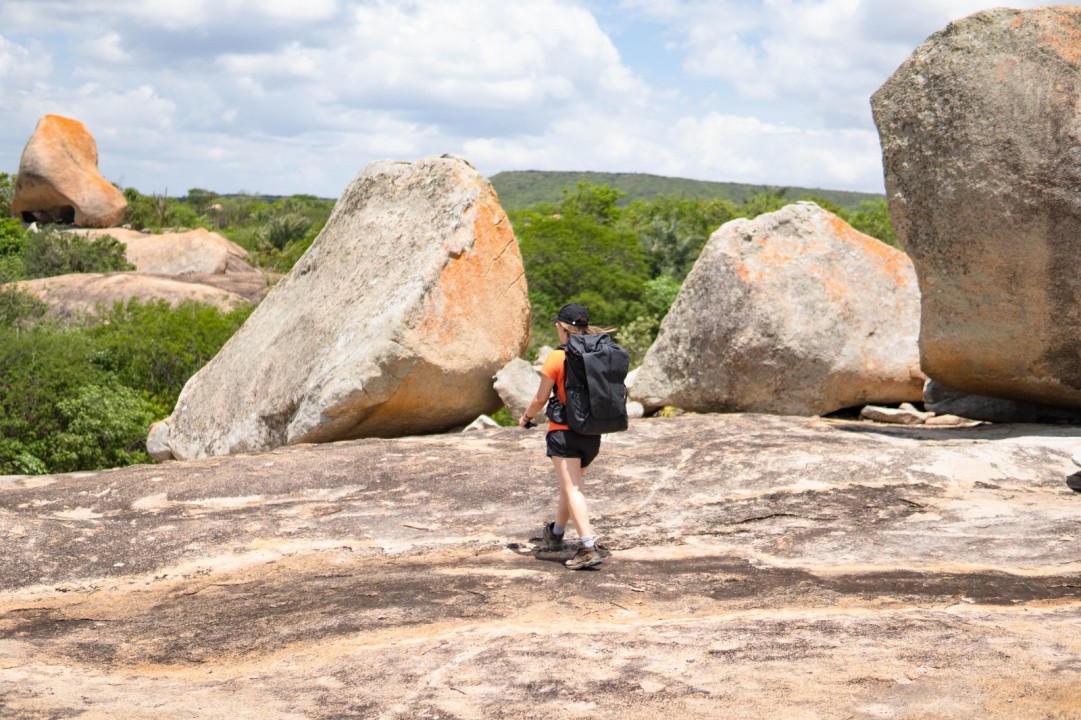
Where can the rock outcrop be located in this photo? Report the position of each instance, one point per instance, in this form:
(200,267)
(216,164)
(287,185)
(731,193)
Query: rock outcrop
(76,295)
(393,323)
(59,180)
(980,130)
(754,567)
(177,253)
(794,312)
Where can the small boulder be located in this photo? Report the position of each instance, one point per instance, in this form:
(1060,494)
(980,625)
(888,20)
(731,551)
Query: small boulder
(392,323)
(195,251)
(793,312)
(155,441)
(58,178)
(980,132)
(517,384)
(481,423)
(906,414)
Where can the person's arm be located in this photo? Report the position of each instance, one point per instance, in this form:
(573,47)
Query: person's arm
(538,401)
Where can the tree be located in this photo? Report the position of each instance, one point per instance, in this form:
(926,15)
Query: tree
(595,202)
(575,259)
(674,230)
(872,217)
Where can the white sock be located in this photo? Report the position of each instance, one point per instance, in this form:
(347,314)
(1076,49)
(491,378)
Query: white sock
(587,541)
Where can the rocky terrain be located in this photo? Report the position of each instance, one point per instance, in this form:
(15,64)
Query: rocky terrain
(755,566)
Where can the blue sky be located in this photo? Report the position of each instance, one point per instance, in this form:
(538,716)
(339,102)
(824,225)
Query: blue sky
(296,96)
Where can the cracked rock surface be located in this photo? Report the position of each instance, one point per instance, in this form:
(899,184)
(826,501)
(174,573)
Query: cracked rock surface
(755,566)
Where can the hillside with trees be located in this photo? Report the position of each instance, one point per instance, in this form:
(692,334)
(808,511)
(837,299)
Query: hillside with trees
(79,395)
(519,189)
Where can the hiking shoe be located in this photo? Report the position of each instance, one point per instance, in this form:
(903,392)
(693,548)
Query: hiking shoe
(584,558)
(1074,482)
(551,540)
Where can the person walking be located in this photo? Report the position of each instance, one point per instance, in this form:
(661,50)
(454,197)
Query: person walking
(571,452)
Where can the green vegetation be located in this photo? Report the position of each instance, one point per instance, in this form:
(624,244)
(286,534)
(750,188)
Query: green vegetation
(81,397)
(523,189)
(275,230)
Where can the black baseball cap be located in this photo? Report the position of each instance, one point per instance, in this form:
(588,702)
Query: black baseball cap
(573,314)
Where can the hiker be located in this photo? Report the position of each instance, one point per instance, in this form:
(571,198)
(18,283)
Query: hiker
(571,452)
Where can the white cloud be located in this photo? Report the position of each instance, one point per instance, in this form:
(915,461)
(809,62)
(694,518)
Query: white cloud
(297,95)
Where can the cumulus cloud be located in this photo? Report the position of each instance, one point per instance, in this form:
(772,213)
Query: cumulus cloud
(284,96)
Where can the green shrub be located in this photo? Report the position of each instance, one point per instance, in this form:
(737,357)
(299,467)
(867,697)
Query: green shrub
(156,348)
(7,191)
(50,252)
(18,307)
(574,259)
(284,229)
(83,397)
(39,367)
(105,426)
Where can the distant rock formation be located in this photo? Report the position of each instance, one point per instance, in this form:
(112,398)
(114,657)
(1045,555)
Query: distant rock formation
(980,132)
(77,295)
(793,312)
(176,253)
(59,181)
(393,323)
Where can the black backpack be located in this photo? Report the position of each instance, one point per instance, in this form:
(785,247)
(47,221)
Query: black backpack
(595,371)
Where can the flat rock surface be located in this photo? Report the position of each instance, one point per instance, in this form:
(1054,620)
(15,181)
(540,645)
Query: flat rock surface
(755,566)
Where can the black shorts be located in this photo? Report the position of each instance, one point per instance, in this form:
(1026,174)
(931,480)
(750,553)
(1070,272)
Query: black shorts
(569,444)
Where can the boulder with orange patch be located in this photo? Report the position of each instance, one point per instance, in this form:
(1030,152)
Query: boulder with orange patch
(393,323)
(59,181)
(793,312)
(981,144)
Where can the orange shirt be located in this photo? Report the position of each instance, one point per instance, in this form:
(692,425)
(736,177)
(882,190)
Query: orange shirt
(554,369)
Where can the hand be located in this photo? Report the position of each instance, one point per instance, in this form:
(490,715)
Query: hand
(526,422)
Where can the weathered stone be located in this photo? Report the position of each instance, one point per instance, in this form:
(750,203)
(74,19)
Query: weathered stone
(898,415)
(946,421)
(155,441)
(195,251)
(793,312)
(943,400)
(516,384)
(76,295)
(754,567)
(393,322)
(481,423)
(980,131)
(58,178)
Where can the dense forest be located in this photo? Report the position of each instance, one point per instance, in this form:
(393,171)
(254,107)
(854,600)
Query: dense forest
(80,395)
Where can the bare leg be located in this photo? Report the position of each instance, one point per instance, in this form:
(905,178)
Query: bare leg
(572,502)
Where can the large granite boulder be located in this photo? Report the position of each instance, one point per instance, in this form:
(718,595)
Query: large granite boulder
(77,295)
(980,133)
(393,323)
(59,181)
(794,312)
(176,253)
